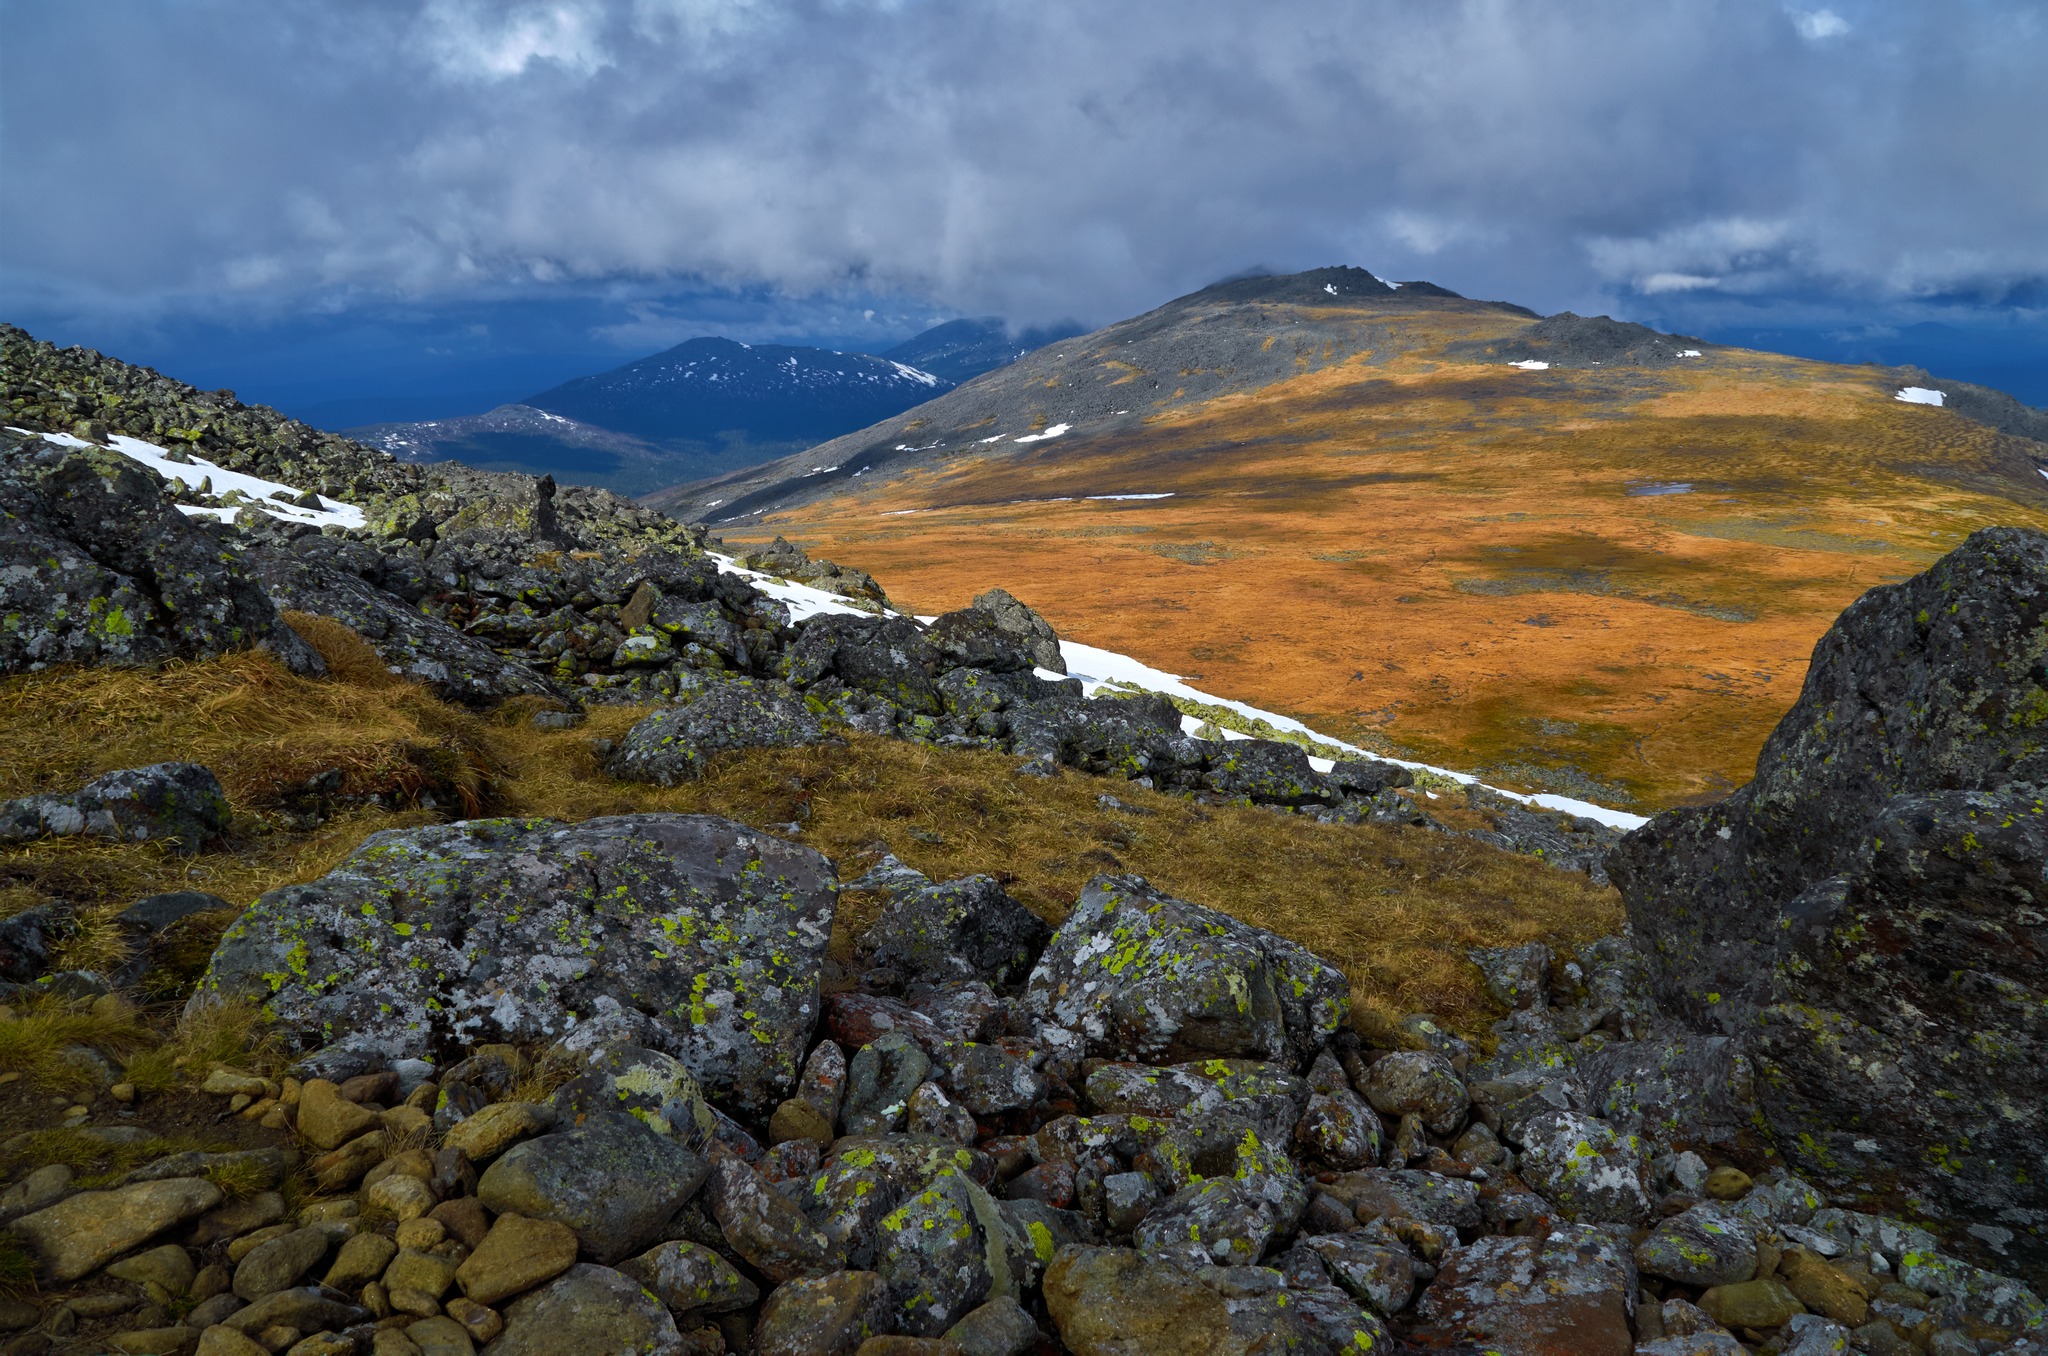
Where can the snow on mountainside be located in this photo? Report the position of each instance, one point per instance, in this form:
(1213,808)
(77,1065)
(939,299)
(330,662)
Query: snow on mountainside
(226,492)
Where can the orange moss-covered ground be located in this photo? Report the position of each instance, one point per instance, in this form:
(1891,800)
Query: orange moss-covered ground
(1445,559)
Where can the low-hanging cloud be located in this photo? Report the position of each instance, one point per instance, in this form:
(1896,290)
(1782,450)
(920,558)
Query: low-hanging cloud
(1038,158)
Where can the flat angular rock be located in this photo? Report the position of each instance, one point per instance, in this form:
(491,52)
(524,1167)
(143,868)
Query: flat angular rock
(611,1179)
(684,933)
(1378,1273)
(1267,772)
(517,1254)
(1408,1193)
(588,1309)
(91,1228)
(762,1225)
(1140,975)
(278,1264)
(691,1278)
(1570,1292)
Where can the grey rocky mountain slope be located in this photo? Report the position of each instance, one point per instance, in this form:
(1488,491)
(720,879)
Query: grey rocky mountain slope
(1232,337)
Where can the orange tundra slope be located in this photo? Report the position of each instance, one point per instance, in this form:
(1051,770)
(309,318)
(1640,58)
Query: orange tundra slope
(1603,580)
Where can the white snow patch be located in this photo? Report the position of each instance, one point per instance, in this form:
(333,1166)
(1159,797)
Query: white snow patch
(1168,494)
(802,600)
(1331,288)
(331,513)
(1920,395)
(998,438)
(915,374)
(1689,353)
(1055,431)
(821,470)
(1531,365)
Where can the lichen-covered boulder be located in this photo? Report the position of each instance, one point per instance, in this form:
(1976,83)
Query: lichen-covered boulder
(672,746)
(181,804)
(961,929)
(1704,1246)
(682,933)
(653,1088)
(1587,1168)
(98,567)
(866,1176)
(1137,974)
(1933,685)
(1417,1083)
(1225,1221)
(762,1225)
(974,639)
(1681,1090)
(1568,1292)
(1117,1302)
(944,1251)
(885,657)
(1267,772)
(1032,631)
(823,1315)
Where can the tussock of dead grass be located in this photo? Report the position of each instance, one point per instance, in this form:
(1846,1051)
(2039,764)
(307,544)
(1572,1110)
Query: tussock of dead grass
(1395,908)
(36,1042)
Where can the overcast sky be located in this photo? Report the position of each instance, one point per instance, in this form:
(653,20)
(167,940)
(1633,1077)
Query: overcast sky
(615,175)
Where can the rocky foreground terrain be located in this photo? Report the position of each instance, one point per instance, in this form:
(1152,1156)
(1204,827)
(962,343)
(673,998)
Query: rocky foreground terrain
(538,1086)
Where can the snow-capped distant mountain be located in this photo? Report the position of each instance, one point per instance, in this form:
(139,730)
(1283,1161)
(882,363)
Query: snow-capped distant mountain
(706,388)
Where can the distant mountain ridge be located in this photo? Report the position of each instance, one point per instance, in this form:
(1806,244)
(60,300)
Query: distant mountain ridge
(961,350)
(706,406)
(703,388)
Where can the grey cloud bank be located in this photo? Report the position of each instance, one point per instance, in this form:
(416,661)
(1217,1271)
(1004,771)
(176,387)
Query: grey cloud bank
(1054,158)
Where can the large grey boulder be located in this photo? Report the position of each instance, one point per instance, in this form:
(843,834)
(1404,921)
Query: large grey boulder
(1870,913)
(1034,632)
(98,567)
(673,745)
(612,1179)
(686,934)
(1137,974)
(181,804)
(588,1308)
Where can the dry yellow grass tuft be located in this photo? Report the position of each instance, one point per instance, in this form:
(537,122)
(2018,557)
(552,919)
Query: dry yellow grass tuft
(1395,908)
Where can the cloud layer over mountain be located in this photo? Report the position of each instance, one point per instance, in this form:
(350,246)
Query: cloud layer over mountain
(1037,158)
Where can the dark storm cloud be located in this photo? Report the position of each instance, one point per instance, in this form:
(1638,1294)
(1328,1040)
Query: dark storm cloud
(1040,158)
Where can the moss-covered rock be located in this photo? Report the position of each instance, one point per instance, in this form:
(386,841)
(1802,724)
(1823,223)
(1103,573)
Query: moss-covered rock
(686,934)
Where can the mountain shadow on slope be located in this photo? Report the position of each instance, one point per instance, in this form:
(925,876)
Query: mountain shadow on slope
(1568,340)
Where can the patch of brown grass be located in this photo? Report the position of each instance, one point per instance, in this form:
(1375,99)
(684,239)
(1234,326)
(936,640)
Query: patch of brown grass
(1395,908)
(39,1041)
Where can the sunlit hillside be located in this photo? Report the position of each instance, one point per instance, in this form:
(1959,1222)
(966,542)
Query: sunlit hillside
(1595,578)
